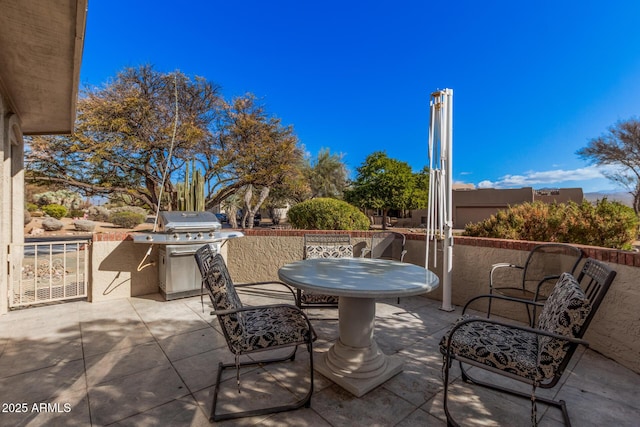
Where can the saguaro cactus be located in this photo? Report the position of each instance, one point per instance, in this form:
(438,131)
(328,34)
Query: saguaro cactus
(191,191)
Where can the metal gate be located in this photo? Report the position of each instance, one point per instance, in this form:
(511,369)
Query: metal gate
(41,272)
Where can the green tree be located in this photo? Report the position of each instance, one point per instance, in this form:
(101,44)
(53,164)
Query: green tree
(620,146)
(327,175)
(385,183)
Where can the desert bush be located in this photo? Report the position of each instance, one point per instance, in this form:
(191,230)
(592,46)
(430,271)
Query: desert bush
(98,213)
(134,209)
(31,207)
(76,213)
(126,218)
(327,214)
(605,224)
(54,210)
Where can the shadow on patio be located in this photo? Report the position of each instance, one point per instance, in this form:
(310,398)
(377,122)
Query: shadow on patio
(143,362)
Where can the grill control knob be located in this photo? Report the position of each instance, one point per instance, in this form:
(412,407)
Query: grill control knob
(188,235)
(149,237)
(175,236)
(199,236)
(211,234)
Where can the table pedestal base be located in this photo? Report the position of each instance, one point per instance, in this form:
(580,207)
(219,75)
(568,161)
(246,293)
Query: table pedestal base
(355,362)
(359,382)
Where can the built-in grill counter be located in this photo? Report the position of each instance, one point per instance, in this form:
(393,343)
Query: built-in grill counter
(179,236)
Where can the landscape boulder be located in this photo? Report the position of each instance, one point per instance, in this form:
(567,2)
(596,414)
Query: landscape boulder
(84,225)
(52,224)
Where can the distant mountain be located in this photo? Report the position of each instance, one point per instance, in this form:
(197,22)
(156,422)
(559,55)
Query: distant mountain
(620,196)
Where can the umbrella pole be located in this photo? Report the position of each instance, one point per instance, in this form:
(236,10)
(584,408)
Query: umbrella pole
(447,261)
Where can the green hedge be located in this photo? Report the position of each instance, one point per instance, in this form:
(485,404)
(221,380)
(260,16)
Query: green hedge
(126,219)
(327,214)
(54,210)
(604,224)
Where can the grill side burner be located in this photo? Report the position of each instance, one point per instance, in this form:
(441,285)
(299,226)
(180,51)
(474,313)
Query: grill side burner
(179,236)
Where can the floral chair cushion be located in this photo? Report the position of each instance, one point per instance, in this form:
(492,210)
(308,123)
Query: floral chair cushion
(251,330)
(519,352)
(275,326)
(564,313)
(223,296)
(510,350)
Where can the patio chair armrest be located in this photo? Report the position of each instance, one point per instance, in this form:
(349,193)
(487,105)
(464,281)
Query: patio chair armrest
(402,254)
(501,297)
(275,282)
(364,252)
(499,265)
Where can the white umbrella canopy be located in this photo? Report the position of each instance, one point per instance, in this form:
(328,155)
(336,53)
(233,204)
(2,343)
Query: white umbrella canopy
(440,208)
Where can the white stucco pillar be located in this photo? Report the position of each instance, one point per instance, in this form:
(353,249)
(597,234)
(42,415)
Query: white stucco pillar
(11,195)
(5,211)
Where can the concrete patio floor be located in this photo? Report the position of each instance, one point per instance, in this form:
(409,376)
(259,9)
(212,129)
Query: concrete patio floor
(146,362)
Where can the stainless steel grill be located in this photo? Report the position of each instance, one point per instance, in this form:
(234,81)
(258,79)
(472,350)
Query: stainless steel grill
(179,236)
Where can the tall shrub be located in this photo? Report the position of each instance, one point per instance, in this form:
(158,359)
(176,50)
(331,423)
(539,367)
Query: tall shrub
(327,214)
(605,224)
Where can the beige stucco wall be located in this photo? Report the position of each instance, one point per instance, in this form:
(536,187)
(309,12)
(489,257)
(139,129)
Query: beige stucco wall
(120,269)
(117,272)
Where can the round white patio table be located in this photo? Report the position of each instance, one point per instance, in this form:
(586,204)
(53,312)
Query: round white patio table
(354,361)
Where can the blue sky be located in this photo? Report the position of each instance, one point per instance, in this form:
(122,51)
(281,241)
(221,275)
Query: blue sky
(533,81)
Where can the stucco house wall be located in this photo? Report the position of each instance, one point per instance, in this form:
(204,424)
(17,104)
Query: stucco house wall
(11,194)
(41,45)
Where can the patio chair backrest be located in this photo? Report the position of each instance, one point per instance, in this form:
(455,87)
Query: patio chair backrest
(327,246)
(569,311)
(223,295)
(204,258)
(549,259)
(388,245)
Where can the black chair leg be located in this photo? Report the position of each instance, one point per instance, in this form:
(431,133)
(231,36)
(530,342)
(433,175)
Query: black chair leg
(305,401)
(560,404)
(450,421)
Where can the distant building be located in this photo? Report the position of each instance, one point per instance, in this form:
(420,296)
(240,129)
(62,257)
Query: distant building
(474,205)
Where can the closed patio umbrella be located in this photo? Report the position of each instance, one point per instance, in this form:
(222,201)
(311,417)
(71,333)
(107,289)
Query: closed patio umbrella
(440,208)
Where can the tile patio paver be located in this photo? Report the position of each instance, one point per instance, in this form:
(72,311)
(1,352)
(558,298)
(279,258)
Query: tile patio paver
(146,362)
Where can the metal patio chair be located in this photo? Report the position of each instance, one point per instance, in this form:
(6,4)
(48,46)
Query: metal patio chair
(386,245)
(542,268)
(536,356)
(323,246)
(249,330)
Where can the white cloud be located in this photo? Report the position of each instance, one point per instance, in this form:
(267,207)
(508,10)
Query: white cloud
(547,178)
